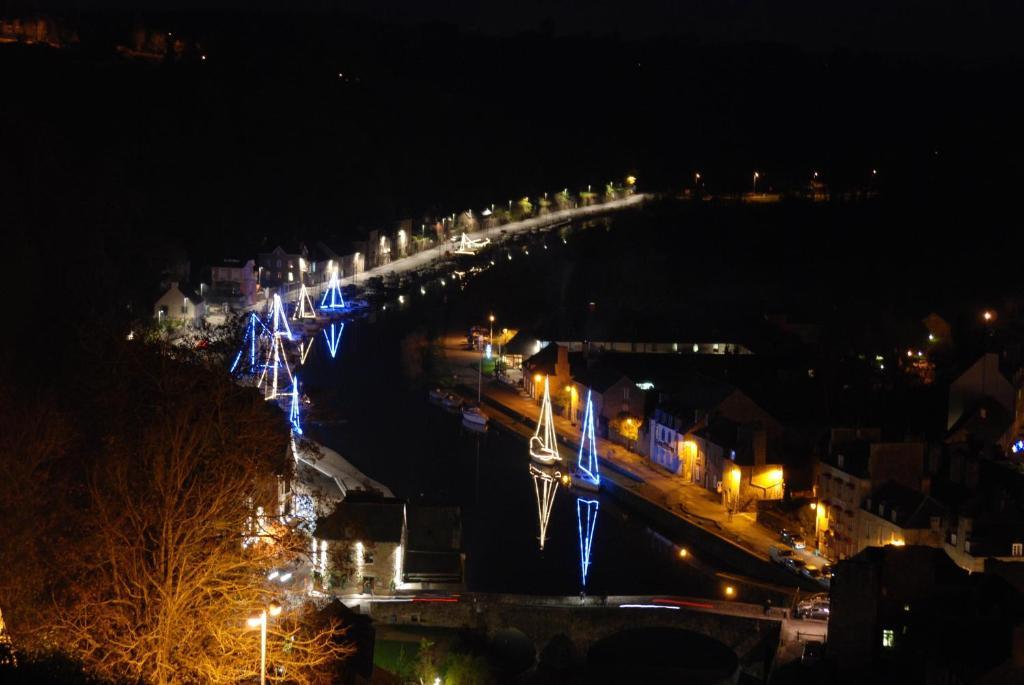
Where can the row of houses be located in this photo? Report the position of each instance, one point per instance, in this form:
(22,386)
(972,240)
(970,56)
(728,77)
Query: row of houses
(963,493)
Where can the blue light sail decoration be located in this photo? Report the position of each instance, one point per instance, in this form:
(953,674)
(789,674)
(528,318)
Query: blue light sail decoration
(333,336)
(293,414)
(587,470)
(332,299)
(254,330)
(586,522)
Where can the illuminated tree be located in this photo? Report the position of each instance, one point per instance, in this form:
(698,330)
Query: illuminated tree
(162,549)
(627,426)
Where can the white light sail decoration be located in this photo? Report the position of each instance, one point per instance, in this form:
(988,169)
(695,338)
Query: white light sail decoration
(332,299)
(304,347)
(587,473)
(469,246)
(333,336)
(245,360)
(304,308)
(544,443)
(293,414)
(278,319)
(586,522)
(270,378)
(545,485)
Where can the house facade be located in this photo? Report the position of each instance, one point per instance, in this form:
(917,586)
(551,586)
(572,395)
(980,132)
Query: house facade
(233,282)
(618,403)
(280,267)
(359,547)
(857,463)
(894,514)
(739,461)
(179,305)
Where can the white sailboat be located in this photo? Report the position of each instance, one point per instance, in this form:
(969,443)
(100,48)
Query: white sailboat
(468,246)
(544,443)
(304,308)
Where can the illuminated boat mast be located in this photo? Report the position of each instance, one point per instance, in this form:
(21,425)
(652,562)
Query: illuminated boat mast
(469,246)
(251,348)
(278,319)
(293,414)
(332,299)
(277,358)
(304,309)
(544,443)
(586,461)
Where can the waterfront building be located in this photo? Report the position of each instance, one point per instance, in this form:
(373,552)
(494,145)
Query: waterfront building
(894,514)
(361,545)
(233,286)
(280,267)
(742,461)
(857,463)
(179,305)
(618,403)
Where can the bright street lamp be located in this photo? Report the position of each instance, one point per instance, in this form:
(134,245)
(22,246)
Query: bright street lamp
(261,623)
(756,176)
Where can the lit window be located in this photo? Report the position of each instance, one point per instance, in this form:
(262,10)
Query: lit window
(888,638)
(1017,549)
(290,277)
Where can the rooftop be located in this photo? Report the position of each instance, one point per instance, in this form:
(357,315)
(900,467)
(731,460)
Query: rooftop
(907,508)
(375,519)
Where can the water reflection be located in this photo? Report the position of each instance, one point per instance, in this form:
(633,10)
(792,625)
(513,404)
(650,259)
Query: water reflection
(545,486)
(586,522)
(333,335)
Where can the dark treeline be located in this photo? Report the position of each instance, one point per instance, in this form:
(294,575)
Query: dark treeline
(320,125)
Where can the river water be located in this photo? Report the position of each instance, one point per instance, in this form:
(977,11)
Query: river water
(369,410)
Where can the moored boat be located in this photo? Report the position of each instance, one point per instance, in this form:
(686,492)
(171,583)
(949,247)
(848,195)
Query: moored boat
(544,443)
(472,414)
(451,402)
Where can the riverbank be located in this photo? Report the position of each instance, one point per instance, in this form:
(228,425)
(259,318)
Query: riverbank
(684,510)
(494,234)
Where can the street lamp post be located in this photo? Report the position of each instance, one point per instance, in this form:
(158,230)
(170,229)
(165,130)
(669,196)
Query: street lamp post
(756,176)
(261,623)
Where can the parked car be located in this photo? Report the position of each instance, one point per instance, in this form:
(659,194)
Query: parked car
(815,607)
(813,650)
(811,572)
(792,539)
(795,565)
(780,554)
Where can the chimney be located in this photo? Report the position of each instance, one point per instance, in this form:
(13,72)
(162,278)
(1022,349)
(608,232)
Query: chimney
(760,447)
(562,362)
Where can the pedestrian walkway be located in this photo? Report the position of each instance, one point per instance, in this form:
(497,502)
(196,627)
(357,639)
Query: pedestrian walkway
(689,501)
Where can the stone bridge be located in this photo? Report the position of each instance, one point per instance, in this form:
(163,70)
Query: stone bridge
(742,628)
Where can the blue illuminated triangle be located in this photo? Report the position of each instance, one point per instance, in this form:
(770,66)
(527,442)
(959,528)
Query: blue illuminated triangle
(586,461)
(333,336)
(586,522)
